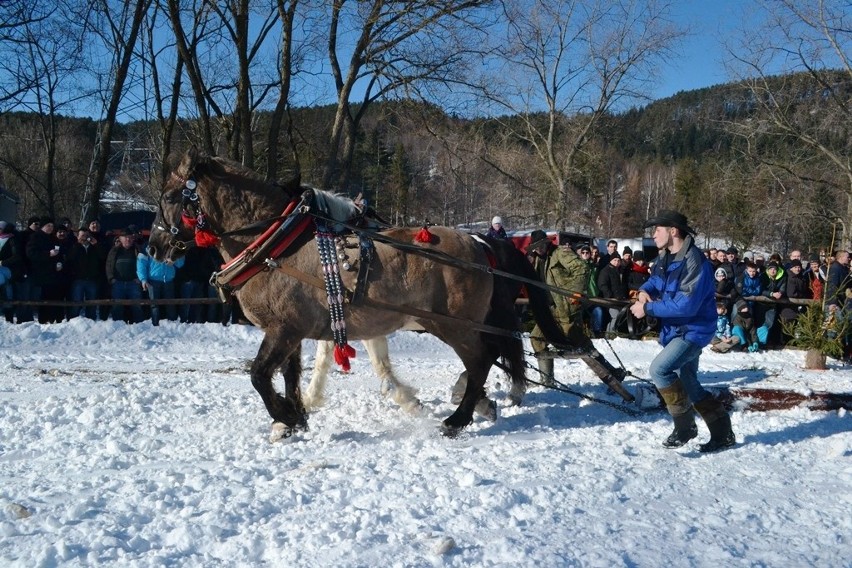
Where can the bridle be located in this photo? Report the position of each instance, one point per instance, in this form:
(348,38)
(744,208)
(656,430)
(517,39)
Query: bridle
(191,216)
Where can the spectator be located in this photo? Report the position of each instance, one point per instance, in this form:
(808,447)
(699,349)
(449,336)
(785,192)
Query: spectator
(45,262)
(721,258)
(726,289)
(121,275)
(193,281)
(712,255)
(62,288)
(496,231)
(723,328)
(594,311)
(816,277)
(611,251)
(775,287)
(797,288)
(611,286)
(795,258)
(638,275)
(11,267)
(732,264)
(743,331)
(158,281)
(837,280)
(562,268)
(85,262)
(100,239)
(23,287)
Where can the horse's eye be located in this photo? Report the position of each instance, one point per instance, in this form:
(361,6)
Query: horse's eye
(172,198)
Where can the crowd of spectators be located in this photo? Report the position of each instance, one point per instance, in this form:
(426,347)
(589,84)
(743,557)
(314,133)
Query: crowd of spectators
(51,261)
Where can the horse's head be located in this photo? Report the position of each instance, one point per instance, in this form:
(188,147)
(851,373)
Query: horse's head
(173,229)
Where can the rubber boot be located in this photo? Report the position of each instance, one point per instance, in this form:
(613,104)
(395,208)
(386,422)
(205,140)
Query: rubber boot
(545,366)
(718,422)
(677,403)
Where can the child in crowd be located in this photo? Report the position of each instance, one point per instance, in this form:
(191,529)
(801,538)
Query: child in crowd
(743,332)
(723,325)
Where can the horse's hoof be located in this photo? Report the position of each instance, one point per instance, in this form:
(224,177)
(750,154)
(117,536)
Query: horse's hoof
(450,431)
(487,408)
(281,431)
(515,399)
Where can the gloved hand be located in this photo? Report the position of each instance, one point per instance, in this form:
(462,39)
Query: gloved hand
(753,348)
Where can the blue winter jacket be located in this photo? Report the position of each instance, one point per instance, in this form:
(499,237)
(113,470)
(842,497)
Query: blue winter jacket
(683,294)
(150,270)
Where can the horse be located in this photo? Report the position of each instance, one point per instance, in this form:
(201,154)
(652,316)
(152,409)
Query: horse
(436,281)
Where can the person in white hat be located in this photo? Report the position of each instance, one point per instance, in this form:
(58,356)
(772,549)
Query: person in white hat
(497,231)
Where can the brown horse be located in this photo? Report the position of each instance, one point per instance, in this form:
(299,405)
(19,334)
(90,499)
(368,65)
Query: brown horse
(452,301)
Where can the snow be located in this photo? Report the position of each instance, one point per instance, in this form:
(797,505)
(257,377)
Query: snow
(147,446)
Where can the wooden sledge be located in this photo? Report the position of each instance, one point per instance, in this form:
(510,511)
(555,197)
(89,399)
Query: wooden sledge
(760,399)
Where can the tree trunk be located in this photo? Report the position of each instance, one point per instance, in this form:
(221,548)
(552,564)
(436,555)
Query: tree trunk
(815,360)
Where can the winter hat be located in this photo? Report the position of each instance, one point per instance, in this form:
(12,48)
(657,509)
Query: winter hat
(627,250)
(46,221)
(813,257)
(497,220)
(638,255)
(772,264)
(732,250)
(3,225)
(720,272)
(32,220)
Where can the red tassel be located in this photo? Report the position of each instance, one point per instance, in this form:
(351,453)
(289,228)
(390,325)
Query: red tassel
(205,239)
(424,236)
(188,220)
(342,354)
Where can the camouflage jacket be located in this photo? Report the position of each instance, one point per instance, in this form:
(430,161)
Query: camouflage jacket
(564,269)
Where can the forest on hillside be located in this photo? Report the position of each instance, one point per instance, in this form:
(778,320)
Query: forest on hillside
(428,128)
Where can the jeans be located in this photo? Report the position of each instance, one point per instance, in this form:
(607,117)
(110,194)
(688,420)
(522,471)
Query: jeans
(127,290)
(190,313)
(679,359)
(22,292)
(83,290)
(596,317)
(161,291)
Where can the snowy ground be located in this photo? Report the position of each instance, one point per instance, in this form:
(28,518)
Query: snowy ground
(141,446)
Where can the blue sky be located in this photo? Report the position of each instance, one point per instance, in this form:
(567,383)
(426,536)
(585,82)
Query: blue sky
(701,63)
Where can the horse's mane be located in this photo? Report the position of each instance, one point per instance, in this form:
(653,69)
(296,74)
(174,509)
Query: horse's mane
(334,206)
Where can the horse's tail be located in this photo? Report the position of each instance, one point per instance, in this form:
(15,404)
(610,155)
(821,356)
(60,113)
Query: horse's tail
(503,312)
(513,261)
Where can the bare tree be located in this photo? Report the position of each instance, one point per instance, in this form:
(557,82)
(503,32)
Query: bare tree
(798,67)
(563,66)
(388,46)
(116,24)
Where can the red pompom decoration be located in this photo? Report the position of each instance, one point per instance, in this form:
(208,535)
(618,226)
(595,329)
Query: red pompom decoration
(206,239)
(424,236)
(342,354)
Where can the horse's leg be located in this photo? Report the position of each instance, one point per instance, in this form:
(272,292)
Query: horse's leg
(477,358)
(402,394)
(287,412)
(314,395)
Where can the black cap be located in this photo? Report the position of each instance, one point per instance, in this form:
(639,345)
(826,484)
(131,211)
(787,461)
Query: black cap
(732,250)
(670,218)
(638,255)
(627,250)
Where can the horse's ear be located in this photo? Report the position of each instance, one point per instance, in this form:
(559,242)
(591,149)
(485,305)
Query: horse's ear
(187,164)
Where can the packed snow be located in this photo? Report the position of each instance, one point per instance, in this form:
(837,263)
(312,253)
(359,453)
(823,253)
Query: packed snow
(147,446)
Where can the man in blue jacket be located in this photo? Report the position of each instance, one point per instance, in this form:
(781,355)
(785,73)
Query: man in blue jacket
(681,294)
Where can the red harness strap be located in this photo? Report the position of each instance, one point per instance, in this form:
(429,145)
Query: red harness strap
(250,271)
